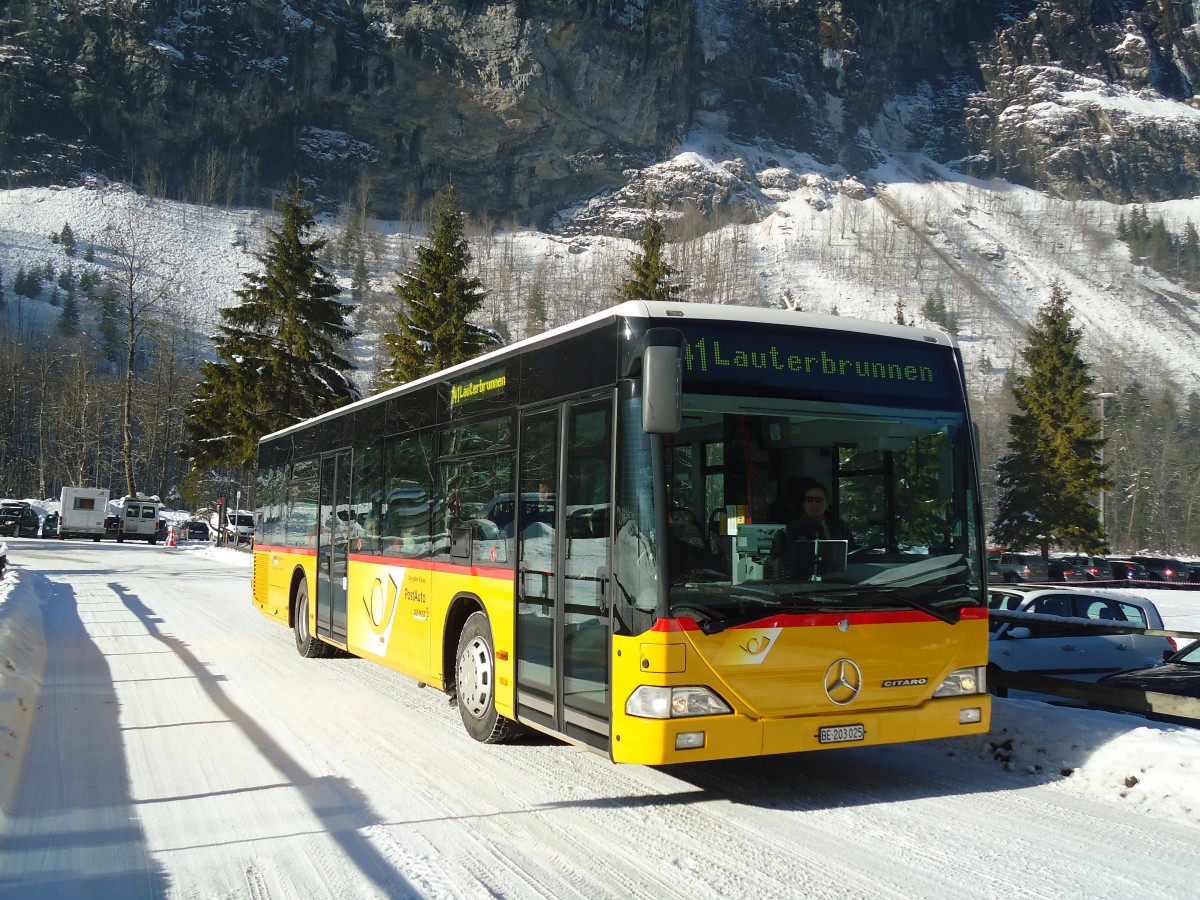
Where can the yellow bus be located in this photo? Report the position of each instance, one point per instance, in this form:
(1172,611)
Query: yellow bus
(595,533)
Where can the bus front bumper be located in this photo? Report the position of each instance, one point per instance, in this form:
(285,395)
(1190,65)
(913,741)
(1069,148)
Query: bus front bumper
(667,741)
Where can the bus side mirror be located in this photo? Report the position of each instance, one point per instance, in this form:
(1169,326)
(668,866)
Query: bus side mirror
(662,384)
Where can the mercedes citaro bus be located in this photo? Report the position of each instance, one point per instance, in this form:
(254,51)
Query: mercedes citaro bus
(585,533)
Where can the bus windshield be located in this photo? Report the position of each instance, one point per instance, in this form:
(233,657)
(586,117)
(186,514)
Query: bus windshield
(786,505)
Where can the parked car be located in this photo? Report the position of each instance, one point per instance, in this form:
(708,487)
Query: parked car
(1179,675)
(238,525)
(18,519)
(195,530)
(1094,568)
(1193,570)
(50,525)
(1128,570)
(1071,649)
(112,526)
(1064,570)
(1163,568)
(1021,567)
(994,574)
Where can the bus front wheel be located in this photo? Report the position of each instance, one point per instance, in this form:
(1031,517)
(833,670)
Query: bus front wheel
(475,683)
(306,645)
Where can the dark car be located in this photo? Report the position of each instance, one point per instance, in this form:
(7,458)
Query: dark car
(1179,675)
(1193,571)
(50,525)
(1093,568)
(112,526)
(1065,570)
(1128,570)
(195,530)
(1163,568)
(18,519)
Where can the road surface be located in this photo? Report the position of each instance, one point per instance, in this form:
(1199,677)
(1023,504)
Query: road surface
(183,749)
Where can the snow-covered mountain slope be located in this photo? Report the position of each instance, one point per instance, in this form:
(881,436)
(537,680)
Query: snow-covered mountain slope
(912,233)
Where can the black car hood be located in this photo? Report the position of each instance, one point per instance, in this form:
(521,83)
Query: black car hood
(1169,678)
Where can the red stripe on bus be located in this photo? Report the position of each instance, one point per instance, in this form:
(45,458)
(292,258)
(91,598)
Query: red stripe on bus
(497,573)
(295,551)
(822,620)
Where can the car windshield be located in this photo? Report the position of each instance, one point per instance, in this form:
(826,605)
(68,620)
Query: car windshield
(1189,655)
(896,531)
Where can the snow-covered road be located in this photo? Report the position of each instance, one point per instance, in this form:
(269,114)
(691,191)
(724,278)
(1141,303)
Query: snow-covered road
(181,748)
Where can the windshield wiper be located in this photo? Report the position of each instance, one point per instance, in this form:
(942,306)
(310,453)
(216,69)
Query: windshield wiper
(713,626)
(919,602)
(822,602)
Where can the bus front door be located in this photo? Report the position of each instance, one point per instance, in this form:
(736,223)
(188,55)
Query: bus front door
(333,545)
(563,560)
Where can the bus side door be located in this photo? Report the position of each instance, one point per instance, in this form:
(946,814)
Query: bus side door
(333,545)
(563,563)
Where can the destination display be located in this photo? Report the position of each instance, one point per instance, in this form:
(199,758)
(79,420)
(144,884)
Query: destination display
(478,387)
(819,363)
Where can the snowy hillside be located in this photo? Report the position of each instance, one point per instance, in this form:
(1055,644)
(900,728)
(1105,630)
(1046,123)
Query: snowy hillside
(825,244)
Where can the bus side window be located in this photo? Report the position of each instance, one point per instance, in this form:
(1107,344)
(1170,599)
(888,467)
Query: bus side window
(471,487)
(408,503)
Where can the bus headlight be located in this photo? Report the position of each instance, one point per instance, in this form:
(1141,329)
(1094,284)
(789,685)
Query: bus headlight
(649,702)
(964,681)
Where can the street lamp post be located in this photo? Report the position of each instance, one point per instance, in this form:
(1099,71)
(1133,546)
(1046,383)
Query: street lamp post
(1106,395)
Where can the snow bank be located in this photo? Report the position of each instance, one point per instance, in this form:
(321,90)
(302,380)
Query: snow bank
(22,665)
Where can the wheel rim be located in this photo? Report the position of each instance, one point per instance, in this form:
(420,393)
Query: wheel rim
(475,677)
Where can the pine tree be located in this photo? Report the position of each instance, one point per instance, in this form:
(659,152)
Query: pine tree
(350,245)
(1160,247)
(1051,478)
(68,319)
(651,277)
(278,352)
(26,284)
(1189,254)
(437,298)
(67,237)
(361,280)
(535,310)
(110,322)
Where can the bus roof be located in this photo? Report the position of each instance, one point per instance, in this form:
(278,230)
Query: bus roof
(642,309)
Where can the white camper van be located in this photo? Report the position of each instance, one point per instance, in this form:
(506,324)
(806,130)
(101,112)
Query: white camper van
(139,519)
(81,512)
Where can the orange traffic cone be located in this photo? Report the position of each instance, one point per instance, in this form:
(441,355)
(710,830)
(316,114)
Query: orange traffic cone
(171,542)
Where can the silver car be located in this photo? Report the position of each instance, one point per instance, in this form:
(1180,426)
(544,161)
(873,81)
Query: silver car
(1071,649)
(1023,567)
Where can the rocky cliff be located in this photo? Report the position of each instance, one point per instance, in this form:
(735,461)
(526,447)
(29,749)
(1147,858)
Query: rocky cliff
(532,107)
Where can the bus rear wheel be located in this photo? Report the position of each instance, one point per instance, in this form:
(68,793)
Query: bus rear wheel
(306,645)
(475,683)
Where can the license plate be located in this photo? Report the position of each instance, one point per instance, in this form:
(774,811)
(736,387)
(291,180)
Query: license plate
(838,734)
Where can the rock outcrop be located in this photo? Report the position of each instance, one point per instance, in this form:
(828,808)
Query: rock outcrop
(534,108)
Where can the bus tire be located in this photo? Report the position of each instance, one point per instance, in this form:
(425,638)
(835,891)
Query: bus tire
(306,645)
(475,683)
